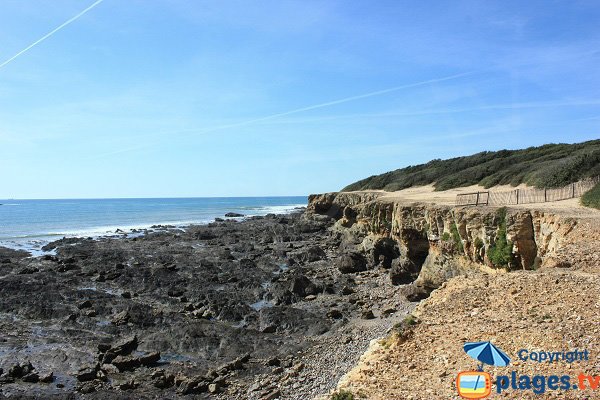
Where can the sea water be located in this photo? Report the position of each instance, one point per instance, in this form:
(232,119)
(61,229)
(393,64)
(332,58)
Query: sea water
(30,224)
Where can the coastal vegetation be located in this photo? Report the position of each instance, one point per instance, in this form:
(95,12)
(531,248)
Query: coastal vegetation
(500,253)
(550,165)
(592,197)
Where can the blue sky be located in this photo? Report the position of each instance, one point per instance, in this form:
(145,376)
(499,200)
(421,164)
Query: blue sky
(243,98)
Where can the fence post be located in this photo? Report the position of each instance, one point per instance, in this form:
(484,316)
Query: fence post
(545,196)
(573,190)
(477,201)
(517,190)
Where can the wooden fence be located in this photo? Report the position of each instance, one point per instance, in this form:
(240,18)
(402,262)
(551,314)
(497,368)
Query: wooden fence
(526,196)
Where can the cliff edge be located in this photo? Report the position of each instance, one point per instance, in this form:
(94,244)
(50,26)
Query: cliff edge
(524,278)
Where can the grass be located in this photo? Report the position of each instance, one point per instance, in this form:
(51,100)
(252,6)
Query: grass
(592,197)
(500,253)
(548,166)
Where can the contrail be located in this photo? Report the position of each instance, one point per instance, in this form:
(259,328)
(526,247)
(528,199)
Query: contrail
(52,32)
(295,111)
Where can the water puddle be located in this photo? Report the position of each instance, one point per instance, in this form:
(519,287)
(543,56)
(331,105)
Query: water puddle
(261,304)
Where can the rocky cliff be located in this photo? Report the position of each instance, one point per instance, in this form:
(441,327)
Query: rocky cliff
(428,243)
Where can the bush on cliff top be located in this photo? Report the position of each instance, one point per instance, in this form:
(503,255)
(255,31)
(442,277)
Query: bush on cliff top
(592,197)
(551,165)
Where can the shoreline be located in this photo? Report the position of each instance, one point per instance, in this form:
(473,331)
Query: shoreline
(312,315)
(33,243)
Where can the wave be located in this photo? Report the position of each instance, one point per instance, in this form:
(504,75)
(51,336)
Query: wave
(34,241)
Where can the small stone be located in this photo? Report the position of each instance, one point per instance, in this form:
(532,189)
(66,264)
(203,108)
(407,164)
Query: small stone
(368,314)
(213,388)
(310,297)
(31,377)
(84,304)
(47,378)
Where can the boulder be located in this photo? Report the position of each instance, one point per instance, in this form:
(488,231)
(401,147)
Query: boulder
(125,363)
(150,359)
(233,215)
(403,271)
(123,348)
(351,263)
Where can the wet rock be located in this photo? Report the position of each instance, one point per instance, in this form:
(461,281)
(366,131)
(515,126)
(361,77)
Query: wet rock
(314,253)
(86,374)
(192,386)
(84,304)
(31,377)
(126,363)
(122,348)
(121,318)
(150,359)
(233,215)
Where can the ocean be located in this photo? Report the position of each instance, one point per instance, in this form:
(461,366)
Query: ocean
(30,224)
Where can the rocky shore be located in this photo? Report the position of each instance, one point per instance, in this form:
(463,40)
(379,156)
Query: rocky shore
(265,308)
(281,306)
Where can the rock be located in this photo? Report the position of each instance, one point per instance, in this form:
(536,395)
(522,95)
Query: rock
(302,286)
(335,314)
(103,347)
(214,388)
(86,374)
(90,313)
(31,377)
(87,388)
(403,271)
(351,263)
(314,253)
(347,290)
(127,385)
(175,292)
(233,215)
(150,359)
(126,295)
(273,362)
(123,348)
(275,394)
(367,314)
(310,297)
(6,380)
(121,318)
(126,363)
(192,385)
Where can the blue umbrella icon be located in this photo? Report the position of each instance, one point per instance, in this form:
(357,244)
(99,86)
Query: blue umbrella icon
(487,353)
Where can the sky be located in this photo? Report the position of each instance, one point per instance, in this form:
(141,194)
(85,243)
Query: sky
(191,98)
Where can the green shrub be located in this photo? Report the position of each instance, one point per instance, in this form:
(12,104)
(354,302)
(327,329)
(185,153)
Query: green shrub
(446,236)
(342,395)
(500,253)
(456,238)
(551,165)
(478,243)
(592,197)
